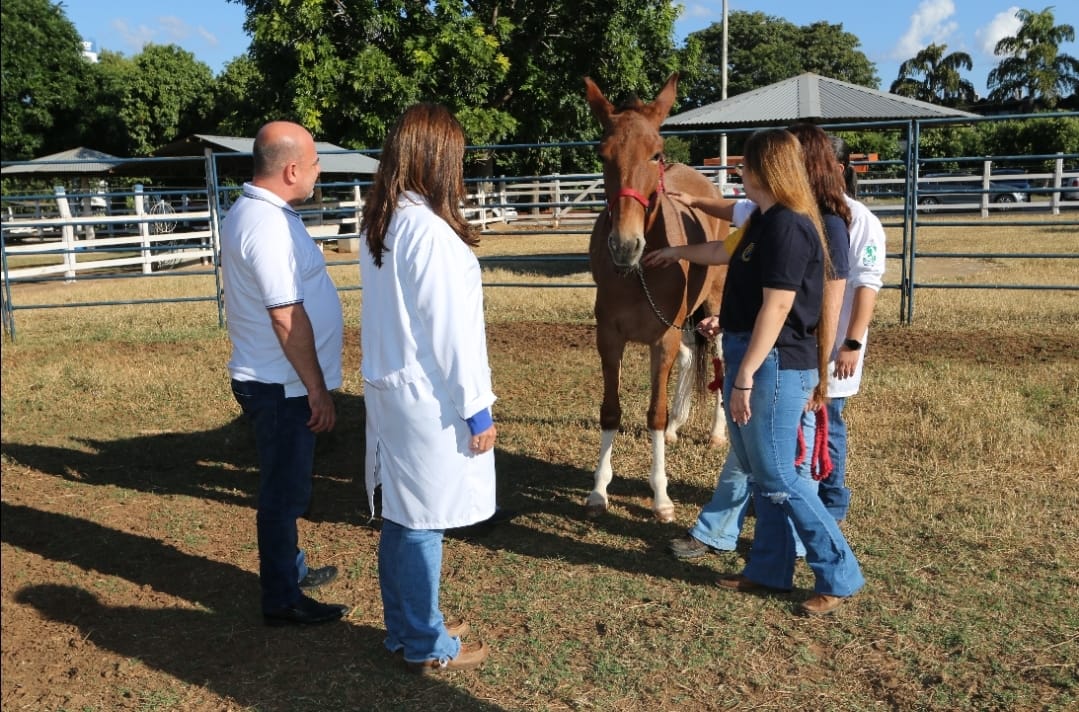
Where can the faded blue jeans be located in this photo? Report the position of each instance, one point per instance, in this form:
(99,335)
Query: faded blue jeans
(720,522)
(286,453)
(409,575)
(766,448)
(833,489)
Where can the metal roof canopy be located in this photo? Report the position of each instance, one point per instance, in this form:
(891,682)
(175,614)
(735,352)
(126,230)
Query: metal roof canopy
(74,161)
(810,97)
(334,159)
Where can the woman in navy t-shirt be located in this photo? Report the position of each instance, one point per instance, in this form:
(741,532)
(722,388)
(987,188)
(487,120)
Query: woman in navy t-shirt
(772,305)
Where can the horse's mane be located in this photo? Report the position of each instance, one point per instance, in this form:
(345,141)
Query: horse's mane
(632,102)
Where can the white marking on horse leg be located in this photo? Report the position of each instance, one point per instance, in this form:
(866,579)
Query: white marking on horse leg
(597,501)
(683,392)
(718,435)
(662,506)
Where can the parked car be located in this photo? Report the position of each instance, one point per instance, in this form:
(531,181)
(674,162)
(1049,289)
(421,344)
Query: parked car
(1072,186)
(952,188)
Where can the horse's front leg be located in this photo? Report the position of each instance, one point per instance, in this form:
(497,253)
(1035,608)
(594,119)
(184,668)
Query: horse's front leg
(611,346)
(663,355)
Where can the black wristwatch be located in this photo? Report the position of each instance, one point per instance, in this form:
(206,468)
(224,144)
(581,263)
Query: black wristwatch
(853,344)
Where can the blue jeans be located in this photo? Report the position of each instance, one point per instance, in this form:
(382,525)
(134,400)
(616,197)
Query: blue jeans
(409,575)
(286,453)
(720,521)
(766,448)
(833,489)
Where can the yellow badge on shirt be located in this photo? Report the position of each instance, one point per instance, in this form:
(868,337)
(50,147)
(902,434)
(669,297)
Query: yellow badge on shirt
(733,238)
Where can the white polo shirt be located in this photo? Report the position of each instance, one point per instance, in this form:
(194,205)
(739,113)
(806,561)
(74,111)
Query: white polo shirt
(269,260)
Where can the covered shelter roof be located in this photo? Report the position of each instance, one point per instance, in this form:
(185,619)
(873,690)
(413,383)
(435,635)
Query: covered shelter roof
(335,160)
(74,161)
(809,97)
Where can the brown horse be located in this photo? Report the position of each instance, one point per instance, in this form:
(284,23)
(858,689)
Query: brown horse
(659,306)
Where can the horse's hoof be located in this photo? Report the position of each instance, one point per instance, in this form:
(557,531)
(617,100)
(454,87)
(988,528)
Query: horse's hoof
(665,515)
(595,511)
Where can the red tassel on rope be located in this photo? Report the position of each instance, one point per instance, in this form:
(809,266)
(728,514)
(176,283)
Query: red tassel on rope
(820,463)
(717,382)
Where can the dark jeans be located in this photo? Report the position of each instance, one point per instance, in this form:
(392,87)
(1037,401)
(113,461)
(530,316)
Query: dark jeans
(286,452)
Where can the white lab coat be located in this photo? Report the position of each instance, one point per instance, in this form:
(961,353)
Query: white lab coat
(425,371)
(866,260)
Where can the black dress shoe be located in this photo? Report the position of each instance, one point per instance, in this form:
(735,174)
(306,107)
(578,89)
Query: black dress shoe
(306,611)
(319,577)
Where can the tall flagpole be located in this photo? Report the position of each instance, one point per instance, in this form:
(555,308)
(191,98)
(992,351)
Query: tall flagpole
(723,96)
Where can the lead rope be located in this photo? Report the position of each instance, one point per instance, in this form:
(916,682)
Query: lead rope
(820,463)
(666,203)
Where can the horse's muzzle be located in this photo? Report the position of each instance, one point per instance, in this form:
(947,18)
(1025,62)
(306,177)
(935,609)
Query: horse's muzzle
(625,253)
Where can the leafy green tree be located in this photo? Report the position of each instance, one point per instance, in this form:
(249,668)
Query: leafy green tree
(42,78)
(940,80)
(143,102)
(1033,68)
(169,95)
(240,107)
(762,50)
(512,73)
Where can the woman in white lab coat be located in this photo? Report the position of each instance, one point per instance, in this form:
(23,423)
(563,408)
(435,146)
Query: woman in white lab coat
(427,382)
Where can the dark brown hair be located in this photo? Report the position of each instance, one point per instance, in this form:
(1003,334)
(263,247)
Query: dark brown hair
(423,153)
(824,176)
(774,157)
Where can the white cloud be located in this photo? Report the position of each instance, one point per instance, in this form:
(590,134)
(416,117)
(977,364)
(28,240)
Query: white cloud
(930,24)
(176,30)
(209,37)
(1004,24)
(700,11)
(134,38)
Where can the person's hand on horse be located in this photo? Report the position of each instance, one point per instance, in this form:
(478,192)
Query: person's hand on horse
(683,198)
(660,258)
(708,326)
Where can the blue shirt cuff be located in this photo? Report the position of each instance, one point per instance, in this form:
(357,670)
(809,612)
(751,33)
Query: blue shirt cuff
(480,421)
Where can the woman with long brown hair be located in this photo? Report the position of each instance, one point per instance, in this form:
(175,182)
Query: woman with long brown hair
(427,382)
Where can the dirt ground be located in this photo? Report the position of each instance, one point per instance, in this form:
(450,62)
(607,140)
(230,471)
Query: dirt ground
(126,562)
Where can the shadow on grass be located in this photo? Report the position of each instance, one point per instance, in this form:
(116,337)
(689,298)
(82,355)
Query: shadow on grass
(218,466)
(332,666)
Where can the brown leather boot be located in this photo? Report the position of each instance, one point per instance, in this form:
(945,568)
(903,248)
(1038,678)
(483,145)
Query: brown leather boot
(821,604)
(471,657)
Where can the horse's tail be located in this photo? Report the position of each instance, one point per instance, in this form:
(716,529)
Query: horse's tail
(702,355)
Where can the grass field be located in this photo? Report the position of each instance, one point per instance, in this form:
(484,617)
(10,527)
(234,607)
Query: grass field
(130,573)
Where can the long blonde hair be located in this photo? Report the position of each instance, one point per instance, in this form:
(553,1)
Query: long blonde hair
(774,157)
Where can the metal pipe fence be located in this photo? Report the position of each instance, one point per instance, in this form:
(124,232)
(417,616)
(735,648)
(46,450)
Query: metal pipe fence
(137,230)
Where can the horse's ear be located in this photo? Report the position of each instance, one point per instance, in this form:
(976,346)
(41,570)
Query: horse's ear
(665,99)
(600,106)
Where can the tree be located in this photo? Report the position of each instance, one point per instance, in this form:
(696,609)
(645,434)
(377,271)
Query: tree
(941,82)
(510,72)
(763,49)
(170,94)
(239,105)
(42,76)
(1033,69)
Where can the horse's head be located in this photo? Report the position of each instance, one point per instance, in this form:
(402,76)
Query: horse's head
(632,154)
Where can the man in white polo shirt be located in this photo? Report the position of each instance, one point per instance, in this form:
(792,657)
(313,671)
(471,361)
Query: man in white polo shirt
(285,324)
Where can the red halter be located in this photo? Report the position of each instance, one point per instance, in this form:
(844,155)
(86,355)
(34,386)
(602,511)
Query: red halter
(649,202)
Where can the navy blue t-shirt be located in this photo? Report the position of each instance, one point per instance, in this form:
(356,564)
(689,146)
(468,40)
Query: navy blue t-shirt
(838,239)
(780,250)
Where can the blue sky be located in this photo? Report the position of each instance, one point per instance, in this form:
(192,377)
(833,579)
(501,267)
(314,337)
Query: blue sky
(890,30)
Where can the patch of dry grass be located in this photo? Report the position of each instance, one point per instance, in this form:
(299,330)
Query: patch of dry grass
(129,564)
